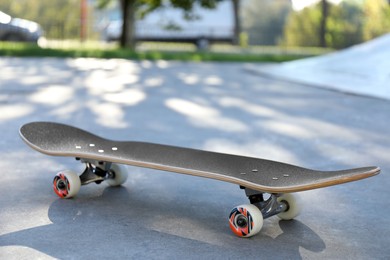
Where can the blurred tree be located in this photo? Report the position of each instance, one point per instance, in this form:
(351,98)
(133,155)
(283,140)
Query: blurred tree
(377,18)
(301,28)
(60,19)
(347,23)
(323,22)
(237,21)
(264,20)
(130,8)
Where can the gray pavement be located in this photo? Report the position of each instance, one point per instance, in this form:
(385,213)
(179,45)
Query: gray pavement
(219,107)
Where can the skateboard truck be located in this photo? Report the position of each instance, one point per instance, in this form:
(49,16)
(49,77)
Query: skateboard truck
(67,183)
(247,220)
(268,207)
(95,171)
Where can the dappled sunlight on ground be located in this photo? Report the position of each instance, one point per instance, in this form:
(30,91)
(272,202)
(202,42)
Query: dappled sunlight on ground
(16,251)
(129,97)
(53,95)
(263,148)
(107,114)
(245,106)
(12,112)
(212,106)
(187,104)
(206,117)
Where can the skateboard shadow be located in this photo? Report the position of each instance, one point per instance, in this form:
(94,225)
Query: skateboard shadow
(296,235)
(119,223)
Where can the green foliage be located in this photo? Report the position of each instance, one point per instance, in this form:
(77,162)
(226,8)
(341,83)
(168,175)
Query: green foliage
(60,19)
(244,39)
(101,4)
(146,6)
(348,23)
(31,50)
(344,25)
(376,18)
(139,8)
(302,27)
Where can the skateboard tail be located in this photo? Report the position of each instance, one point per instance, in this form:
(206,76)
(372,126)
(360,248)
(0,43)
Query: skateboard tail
(321,183)
(363,174)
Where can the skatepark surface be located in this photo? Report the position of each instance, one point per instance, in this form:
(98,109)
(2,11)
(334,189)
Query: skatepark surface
(361,69)
(212,106)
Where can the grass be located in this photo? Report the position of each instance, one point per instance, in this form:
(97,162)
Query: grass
(145,52)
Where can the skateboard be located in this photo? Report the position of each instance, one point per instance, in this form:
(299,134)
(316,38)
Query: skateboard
(269,185)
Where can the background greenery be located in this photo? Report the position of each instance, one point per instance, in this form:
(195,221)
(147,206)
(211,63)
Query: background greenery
(349,23)
(76,49)
(60,19)
(264,22)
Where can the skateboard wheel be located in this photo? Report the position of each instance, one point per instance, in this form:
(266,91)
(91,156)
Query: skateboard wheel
(119,175)
(245,220)
(66,184)
(293,206)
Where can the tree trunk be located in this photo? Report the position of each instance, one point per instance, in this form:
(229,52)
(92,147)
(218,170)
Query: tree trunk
(127,39)
(324,18)
(83,20)
(237,22)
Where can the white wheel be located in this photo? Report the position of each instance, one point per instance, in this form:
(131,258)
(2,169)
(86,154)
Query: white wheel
(245,220)
(66,184)
(293,206)
(119,175)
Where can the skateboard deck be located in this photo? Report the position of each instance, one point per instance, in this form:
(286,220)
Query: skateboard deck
(252,173)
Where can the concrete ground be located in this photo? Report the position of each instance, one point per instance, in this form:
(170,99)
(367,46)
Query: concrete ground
(219,107)
(361,69)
